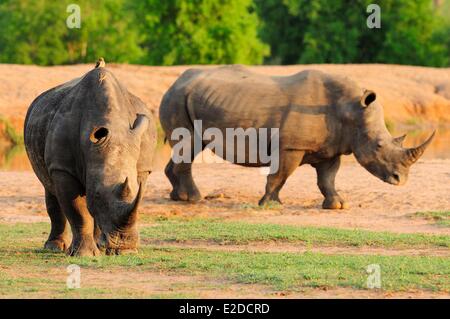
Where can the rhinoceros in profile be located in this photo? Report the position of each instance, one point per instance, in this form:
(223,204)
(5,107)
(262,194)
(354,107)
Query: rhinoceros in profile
(90,143)
(319,116)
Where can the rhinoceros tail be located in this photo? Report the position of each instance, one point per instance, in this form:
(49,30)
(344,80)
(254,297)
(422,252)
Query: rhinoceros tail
(100,63)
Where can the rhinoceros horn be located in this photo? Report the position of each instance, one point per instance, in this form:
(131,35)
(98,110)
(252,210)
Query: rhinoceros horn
(129,211)
(125,190)
(413,154)
(133,213)
(399,140)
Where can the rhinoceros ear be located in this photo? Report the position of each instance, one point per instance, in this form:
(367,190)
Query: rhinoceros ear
(140,124)
(367,98)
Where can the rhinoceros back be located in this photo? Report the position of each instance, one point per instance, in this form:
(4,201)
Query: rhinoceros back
(229,96)
(37,123)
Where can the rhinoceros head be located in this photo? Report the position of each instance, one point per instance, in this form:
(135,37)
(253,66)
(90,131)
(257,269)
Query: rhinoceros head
(374,147)
(112,133)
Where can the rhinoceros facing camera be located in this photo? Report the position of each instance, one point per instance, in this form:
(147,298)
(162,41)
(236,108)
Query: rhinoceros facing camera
(91,143)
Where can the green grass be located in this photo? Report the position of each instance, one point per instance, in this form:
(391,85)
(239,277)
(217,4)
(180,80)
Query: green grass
(10,153)
(445,10)
(243,233)
(160,135)
(271,205)
(414,121)
(20,250)
(441,218)
(279,271)
(10,132)
(50,286)
(213,230)
(390,125)
(284,271)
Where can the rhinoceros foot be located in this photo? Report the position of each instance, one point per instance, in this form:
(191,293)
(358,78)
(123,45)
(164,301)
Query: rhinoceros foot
(270,200)
(83,248)
(58,244)
(335,202)
(193,196)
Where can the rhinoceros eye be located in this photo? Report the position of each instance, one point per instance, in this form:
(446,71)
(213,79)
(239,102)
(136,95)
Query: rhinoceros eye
(98,135)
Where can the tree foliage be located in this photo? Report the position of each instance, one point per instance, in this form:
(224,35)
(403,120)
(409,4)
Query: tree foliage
(323,31)
(225,31)
(35,31)
(200,32)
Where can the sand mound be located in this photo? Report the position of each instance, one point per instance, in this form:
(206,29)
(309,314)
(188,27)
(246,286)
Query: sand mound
(409,94)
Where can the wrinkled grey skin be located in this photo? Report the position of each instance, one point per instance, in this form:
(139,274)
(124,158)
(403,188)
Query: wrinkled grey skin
(91,142)
(320,117)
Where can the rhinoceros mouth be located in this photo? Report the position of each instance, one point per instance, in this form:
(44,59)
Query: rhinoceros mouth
(118,243)
(120,235)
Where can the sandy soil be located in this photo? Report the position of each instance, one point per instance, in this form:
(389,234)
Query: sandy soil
(408,93)
(374,205)
(300,249)
(155,284)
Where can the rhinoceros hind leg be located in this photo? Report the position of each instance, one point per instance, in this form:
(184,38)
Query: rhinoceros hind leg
(59,237)
(289,161)
(326,174)
(180,176)
(72,200)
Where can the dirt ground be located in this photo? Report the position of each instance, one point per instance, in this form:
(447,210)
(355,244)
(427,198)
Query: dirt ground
(409,95)
(159,284)
(374,205)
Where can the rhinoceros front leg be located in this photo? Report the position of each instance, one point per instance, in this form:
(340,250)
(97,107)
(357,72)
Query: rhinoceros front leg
(326,174)
(59,237)
(72,201)
(289,160)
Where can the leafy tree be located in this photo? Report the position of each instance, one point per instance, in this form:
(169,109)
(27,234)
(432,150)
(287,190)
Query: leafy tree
(35,31)
(30,33)
(200,32)
(411,27)
(282,29)
(335,31)
(225,31)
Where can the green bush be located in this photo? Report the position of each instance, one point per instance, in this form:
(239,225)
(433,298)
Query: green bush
(9,132)
(322,31)
(225,31)
(200,32)
(35,32)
